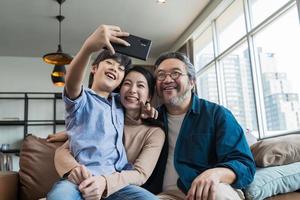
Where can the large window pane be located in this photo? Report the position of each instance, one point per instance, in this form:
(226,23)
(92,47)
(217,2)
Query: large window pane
(231,25)
(238,87)
(207,85)
(261,9)
(278,48)
(204,52)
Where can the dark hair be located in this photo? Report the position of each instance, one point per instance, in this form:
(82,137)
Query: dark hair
(148,76)
(120,58)
(182,57)
(105,54)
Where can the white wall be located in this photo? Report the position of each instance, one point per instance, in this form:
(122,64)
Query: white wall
(23,74)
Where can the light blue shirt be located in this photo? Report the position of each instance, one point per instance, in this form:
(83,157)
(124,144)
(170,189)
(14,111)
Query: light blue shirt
(95,129)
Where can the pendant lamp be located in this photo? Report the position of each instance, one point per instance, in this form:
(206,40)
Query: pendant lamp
(58,75)
(58,57)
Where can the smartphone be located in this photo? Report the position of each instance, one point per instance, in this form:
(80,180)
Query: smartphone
(139,47)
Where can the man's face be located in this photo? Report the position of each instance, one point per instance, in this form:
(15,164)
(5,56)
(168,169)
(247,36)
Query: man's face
(173,91)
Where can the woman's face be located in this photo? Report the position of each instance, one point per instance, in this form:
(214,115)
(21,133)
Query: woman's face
(134,90)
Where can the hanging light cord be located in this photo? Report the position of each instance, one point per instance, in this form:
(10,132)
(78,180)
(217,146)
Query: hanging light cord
(60,19)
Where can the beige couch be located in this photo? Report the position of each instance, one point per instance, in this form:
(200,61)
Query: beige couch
(37,173)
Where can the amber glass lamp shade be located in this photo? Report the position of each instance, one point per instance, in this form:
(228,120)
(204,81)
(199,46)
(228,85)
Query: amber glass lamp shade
(58,75)
(57,58)
(58,81)
(59,71)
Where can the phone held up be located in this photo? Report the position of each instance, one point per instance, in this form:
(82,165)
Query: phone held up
(139,47)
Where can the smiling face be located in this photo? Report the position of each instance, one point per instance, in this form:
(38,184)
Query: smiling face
(108,75)
(173,91)
(133,90)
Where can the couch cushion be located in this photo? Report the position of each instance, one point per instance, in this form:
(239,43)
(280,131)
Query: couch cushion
(270,181)
(8,185)
(37,172)
(287,196)
(277,151)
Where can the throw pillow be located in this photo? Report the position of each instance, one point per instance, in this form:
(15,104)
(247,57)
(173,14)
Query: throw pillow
(277,151)
(37,172)
(274,180)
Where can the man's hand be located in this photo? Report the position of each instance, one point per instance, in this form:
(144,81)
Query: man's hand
(204,186)
(79,174)
(58,137)
(93,187)
(103,36)
(147,111)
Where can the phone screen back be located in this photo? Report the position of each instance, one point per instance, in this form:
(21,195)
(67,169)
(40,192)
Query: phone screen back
(139,47)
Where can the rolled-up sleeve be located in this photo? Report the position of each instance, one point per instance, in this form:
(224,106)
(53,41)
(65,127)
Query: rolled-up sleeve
(63,160)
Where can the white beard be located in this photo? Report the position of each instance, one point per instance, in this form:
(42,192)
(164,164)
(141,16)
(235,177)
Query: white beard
(178,100)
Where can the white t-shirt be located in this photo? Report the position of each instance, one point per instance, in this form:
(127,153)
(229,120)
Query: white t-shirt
(171,176)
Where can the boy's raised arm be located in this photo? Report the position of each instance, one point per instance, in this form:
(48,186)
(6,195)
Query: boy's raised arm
(102,37)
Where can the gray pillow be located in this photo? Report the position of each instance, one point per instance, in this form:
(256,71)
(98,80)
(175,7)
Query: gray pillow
(274,180)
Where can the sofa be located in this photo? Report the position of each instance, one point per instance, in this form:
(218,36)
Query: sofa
(37,172)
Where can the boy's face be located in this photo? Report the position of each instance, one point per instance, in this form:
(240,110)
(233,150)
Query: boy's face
(107,76)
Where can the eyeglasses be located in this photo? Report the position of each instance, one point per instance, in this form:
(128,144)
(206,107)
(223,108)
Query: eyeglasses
(174,75)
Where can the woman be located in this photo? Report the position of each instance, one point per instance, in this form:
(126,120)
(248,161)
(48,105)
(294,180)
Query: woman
(143,140)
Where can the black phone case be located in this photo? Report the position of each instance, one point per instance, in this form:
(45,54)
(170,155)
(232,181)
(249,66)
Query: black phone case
(139,47)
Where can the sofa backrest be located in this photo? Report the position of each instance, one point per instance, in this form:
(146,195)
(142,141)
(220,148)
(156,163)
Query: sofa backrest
(37,172)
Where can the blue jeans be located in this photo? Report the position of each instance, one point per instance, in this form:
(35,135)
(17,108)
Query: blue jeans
(67,190)
(64,189)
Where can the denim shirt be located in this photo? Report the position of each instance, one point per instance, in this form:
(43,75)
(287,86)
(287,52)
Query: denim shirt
(210,137)
(95,129)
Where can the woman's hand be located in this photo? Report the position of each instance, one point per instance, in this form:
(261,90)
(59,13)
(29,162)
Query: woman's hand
(79,174)
(93,187)
(147,111)
(103,36)
(58,137)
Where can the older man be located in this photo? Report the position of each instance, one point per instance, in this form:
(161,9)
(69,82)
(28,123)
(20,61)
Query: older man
(206,155)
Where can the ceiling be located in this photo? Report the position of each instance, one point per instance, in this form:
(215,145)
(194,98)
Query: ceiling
(29,28)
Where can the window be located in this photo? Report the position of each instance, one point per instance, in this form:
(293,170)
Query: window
(238,86)
(261,9)
(278,63)
(204,49)
(254,72)
(207,85)
(231,25)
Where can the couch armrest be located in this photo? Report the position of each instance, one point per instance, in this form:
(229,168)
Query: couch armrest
(287,196)
(9,185)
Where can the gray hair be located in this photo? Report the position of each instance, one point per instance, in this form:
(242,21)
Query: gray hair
(182,57)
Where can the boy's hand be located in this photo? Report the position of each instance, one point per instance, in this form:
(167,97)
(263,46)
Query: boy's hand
(147,111)
(93,187)
(103,36)
(57,137)
(79,174)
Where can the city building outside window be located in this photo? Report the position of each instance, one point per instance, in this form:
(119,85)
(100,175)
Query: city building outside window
(247,59)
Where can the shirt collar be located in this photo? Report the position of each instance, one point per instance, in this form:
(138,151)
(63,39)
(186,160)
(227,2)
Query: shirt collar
(195,106)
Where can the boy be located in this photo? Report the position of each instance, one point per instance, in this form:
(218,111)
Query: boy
(94,117)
